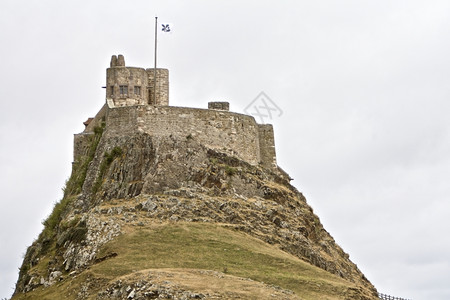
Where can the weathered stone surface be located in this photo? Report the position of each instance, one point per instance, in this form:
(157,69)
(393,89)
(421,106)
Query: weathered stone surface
(219,106)
(120,61)
(171,284)
(113,61)
(100,231)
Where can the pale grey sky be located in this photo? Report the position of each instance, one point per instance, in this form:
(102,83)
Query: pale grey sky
(364,87)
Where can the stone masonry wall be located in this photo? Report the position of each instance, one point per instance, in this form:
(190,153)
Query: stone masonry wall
(231,133)
(267,146)
(219,105)
(162,86)
(82,141)
(130,78)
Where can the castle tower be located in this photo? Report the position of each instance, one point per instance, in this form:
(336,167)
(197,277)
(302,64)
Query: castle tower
(130,86)
(162,87)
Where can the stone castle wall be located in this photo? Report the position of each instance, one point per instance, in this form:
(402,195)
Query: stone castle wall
(82,141)
(81,144)
(162,86)
(267,146)
(231,133)
(131,107)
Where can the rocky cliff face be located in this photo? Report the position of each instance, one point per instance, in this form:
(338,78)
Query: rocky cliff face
(101,240)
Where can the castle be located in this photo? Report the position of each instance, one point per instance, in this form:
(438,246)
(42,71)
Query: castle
(159,193)
(135,101)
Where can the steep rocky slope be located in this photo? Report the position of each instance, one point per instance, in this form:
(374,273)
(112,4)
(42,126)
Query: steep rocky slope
(147,217)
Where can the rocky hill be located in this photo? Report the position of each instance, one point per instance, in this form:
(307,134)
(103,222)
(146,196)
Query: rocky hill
(147,217)
(180,203)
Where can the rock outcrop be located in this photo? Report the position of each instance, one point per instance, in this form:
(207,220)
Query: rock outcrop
(182,203)
(136,181)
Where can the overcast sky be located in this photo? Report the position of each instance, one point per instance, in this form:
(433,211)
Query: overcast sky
(364,87)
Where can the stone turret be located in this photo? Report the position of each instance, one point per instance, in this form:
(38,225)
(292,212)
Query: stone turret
(130,86)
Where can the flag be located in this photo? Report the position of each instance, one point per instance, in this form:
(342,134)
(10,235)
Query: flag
(166,27)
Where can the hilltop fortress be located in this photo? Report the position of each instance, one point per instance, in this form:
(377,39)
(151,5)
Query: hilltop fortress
(135,101)
(181,203)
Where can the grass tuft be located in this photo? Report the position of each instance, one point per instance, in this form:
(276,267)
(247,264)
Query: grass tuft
(230,171)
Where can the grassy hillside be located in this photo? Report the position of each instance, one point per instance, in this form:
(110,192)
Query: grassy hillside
(182,248)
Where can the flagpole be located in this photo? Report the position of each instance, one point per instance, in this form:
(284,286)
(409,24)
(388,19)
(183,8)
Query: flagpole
(154,76)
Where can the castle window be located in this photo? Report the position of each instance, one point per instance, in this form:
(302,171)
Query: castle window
(112,90)
(137,90)
(123,90)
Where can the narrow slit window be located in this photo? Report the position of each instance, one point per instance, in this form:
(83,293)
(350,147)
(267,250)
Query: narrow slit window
(112,90)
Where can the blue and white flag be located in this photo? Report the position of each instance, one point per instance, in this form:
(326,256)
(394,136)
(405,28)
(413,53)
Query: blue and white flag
(166,27)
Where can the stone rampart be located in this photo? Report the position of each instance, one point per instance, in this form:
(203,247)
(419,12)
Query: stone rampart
(81,144)
(232,133)
(82,141)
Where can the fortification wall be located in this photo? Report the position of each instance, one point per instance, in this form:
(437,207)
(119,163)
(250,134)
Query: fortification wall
(82,141)
(231,133)
(162,86)
(98,119)
(267,146)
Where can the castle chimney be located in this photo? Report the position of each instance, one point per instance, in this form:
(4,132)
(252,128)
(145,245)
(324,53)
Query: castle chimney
(120,61)
(113,61)
(219,106)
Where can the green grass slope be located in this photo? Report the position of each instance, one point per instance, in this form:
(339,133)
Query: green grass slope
(182,248)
